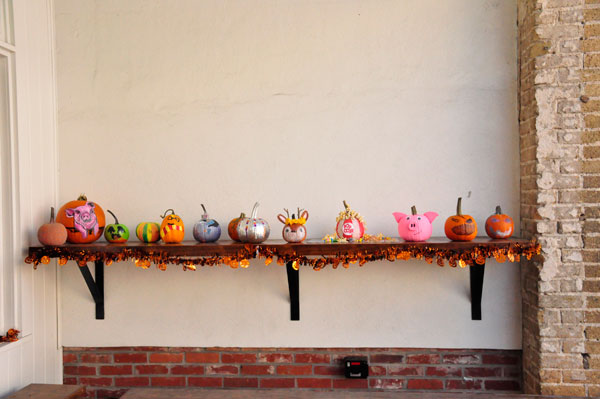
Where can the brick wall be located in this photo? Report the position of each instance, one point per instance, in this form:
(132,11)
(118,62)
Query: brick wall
(590,195)
(559,62)
(109,372)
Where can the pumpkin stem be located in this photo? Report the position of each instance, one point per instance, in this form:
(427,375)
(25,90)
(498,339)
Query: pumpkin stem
(255,210)
(413,209)
(82,197)
(51,214)
(165,214)
(459,206)
(113,215)
(346,205)
(498,210)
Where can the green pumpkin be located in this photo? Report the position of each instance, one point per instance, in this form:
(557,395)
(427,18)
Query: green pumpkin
(116,233)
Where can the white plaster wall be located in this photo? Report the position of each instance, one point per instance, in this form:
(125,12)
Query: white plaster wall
(386,104)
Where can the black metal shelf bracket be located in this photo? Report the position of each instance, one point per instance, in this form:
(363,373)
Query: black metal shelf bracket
(293,277)
(96,286)
(476,278)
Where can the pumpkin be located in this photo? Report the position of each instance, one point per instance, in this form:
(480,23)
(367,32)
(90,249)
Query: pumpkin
(206,230)
(294,230)
(253,229)
(116,233)
(460,227)
(172,230)
(232,227)
(350,225)
(148,232)
(499,225)
(84,220)
(416,227)
(52,233)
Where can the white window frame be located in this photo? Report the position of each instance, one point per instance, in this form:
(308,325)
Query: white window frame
(10,317)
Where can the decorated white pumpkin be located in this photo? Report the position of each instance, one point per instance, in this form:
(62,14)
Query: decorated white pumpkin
(253,229)
(350,225)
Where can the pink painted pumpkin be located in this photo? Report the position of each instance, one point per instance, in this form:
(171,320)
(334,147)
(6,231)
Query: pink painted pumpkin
(415,227)
(350,225)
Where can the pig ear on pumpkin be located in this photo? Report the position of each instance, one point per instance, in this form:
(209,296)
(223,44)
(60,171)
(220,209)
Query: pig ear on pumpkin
(281,218)
(399,216)
(431,216)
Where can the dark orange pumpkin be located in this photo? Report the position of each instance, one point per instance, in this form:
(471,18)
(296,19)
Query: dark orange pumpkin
(499,225)
(232,227)
(460,227)
(83,219)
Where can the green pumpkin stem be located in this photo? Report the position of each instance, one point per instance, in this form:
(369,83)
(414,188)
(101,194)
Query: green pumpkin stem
(498,210)
(203,208)
(51,214)
(82,197)
(165,214)
(346,205)
(113,215)
(413,209)
(459,206)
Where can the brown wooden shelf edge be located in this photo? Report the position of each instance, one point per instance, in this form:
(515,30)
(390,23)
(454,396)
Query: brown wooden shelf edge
(316,254)
(278,248)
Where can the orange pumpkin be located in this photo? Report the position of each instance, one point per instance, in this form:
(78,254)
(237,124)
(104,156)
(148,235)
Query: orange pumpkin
(460,227)
(52,233)
(172,230)
(499,225)
(232,227)
(83,219)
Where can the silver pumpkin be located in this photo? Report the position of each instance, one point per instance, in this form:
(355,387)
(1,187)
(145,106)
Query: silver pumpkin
(253,230)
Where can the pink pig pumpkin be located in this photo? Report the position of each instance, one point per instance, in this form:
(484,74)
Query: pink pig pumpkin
(415,227)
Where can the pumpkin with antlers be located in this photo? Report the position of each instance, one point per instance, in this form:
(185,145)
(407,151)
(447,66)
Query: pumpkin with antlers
(294,229)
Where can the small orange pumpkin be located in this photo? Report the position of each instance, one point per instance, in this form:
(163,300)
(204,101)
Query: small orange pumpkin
(172,230)
(499,225)
(83,219)
(232,227)
(460,227)
(52,233)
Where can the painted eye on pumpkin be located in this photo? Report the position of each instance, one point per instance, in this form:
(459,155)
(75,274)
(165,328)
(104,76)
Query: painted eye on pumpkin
(507,220)
(301,230)
(469,220)
(408,218)
(287,229)
(496,220)
(455,219)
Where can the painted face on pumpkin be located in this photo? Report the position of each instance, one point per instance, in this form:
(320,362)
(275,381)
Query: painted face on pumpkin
(294,233)
(466,225)
(294,230)
(500,226)
(415,227)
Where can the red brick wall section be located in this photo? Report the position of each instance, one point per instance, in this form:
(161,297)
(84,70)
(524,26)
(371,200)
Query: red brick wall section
(110,372)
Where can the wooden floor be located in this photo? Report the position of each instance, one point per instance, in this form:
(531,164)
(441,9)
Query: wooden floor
(49,391)
(154,393)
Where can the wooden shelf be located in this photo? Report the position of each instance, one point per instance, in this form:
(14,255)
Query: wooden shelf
(312,252)
(307,248)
